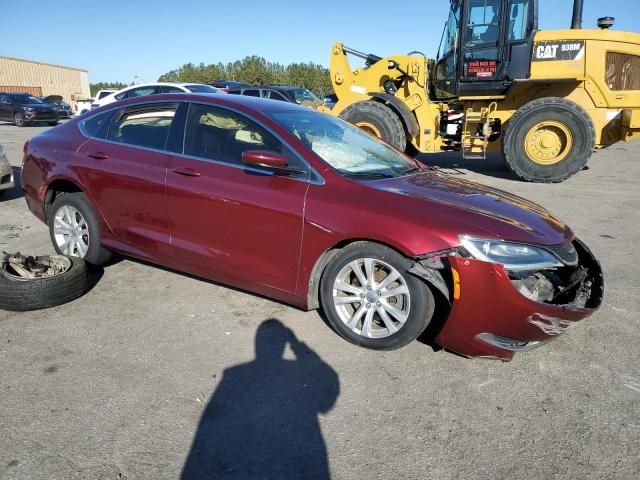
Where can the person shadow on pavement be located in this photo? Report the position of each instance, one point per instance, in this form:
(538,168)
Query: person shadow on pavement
(262,420)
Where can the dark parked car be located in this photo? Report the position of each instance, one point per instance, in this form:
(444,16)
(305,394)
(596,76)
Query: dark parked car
(300,206)
(23,109)
(226,85)
(296,95)
(63,109)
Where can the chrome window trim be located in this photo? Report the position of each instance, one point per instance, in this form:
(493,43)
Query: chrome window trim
(314,178)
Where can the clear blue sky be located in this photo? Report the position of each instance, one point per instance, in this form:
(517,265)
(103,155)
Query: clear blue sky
(120,40)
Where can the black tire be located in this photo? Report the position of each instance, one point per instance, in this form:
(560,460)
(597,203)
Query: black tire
(386,122)
(24,295)
(96,254)
(18,119)
(53,124)
(422,303)
(559,110)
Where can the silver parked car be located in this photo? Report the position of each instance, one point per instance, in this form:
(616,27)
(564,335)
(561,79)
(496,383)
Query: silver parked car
(6,173)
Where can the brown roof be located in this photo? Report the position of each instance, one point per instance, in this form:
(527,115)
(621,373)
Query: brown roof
(43,63)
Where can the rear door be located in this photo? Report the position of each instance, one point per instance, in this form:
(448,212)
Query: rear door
(237,222)
(126,169)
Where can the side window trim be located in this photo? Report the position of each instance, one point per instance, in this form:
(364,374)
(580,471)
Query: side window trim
(312,177)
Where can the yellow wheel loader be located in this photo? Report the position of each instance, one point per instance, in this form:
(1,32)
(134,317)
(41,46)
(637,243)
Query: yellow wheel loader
(545,99)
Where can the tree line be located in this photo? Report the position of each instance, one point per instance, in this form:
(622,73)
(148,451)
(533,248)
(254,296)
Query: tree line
(253,70)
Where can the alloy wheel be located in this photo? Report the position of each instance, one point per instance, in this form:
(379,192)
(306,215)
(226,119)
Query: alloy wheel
(371,298)
(71,232)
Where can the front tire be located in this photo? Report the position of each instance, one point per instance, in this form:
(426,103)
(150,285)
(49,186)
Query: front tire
(18,119)
(378,120)
(75,230)
(371,300)
(548,140)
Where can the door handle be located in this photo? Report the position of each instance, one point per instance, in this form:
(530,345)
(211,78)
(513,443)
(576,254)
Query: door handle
(98,155)
(187,172)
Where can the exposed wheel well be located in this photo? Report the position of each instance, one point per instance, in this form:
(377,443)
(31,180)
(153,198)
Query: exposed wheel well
(57,188)
(313,292)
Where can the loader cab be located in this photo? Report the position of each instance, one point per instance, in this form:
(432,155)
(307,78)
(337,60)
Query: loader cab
(486,45)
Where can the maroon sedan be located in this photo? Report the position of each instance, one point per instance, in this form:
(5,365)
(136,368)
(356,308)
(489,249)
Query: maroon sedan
(302,207)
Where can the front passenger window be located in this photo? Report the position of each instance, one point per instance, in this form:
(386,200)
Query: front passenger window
(144,126)
(219,134)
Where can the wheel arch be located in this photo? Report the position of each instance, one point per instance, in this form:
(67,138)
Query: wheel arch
(406,116)
(58,186)
(313,283)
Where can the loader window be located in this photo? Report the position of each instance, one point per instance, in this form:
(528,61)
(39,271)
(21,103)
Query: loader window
(484,22)
(519,28)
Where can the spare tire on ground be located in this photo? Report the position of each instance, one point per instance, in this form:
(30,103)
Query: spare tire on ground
(34,283)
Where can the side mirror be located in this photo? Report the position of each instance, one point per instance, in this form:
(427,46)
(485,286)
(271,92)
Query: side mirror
(265,159)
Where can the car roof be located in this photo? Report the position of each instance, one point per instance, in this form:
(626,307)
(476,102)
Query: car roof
(250,105)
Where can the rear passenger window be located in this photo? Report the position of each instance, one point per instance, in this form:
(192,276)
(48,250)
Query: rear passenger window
(146,126)
(252,93)
(219,134)
(273,95)
(97,125)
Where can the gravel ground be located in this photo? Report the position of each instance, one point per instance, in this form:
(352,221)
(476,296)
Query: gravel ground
(123,382)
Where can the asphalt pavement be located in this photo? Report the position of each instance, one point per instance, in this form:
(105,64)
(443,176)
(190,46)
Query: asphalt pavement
(125,383)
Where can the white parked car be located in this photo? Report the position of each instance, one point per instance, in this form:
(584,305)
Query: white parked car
(144,89)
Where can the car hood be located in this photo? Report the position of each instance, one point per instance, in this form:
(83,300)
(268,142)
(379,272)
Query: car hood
(478,210)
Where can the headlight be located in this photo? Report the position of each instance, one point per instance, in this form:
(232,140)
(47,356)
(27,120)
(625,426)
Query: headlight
(514,256)
(29,109)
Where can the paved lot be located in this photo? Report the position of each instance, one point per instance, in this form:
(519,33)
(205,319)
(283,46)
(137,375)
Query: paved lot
(115,384)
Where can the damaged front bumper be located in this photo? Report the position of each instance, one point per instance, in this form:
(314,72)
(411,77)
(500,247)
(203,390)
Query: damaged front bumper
(494,314)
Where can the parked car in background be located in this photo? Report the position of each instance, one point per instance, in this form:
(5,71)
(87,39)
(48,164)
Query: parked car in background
(225,85)
(103,93)
(63,109)
(330,100)
(6,173)
(144,89)
(298,95)
(303,207)
(23,109)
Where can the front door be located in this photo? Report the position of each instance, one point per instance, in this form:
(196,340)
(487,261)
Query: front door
(6,107)
(126,171)
(230,221)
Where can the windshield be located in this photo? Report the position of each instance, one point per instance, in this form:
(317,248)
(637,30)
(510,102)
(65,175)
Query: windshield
(450,34)
(24,99)
(201,88)
(343,146)
(302,94)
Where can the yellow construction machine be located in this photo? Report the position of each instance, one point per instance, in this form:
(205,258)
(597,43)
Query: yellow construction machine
(543,98)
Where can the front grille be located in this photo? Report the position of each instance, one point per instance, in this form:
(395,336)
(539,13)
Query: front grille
(566,252)
(623,71)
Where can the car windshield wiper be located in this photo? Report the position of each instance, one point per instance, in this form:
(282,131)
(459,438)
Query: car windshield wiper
(369,175)
(412,170)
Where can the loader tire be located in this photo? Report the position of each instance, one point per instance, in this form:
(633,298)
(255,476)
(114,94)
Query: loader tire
(378,120)
(548,140)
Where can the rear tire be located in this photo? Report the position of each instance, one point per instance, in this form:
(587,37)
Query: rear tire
(378,120)
(18,119)
(53,124)
(548,140)
(95,254)
(400,311)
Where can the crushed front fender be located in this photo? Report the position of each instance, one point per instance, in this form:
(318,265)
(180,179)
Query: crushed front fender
(491,319)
